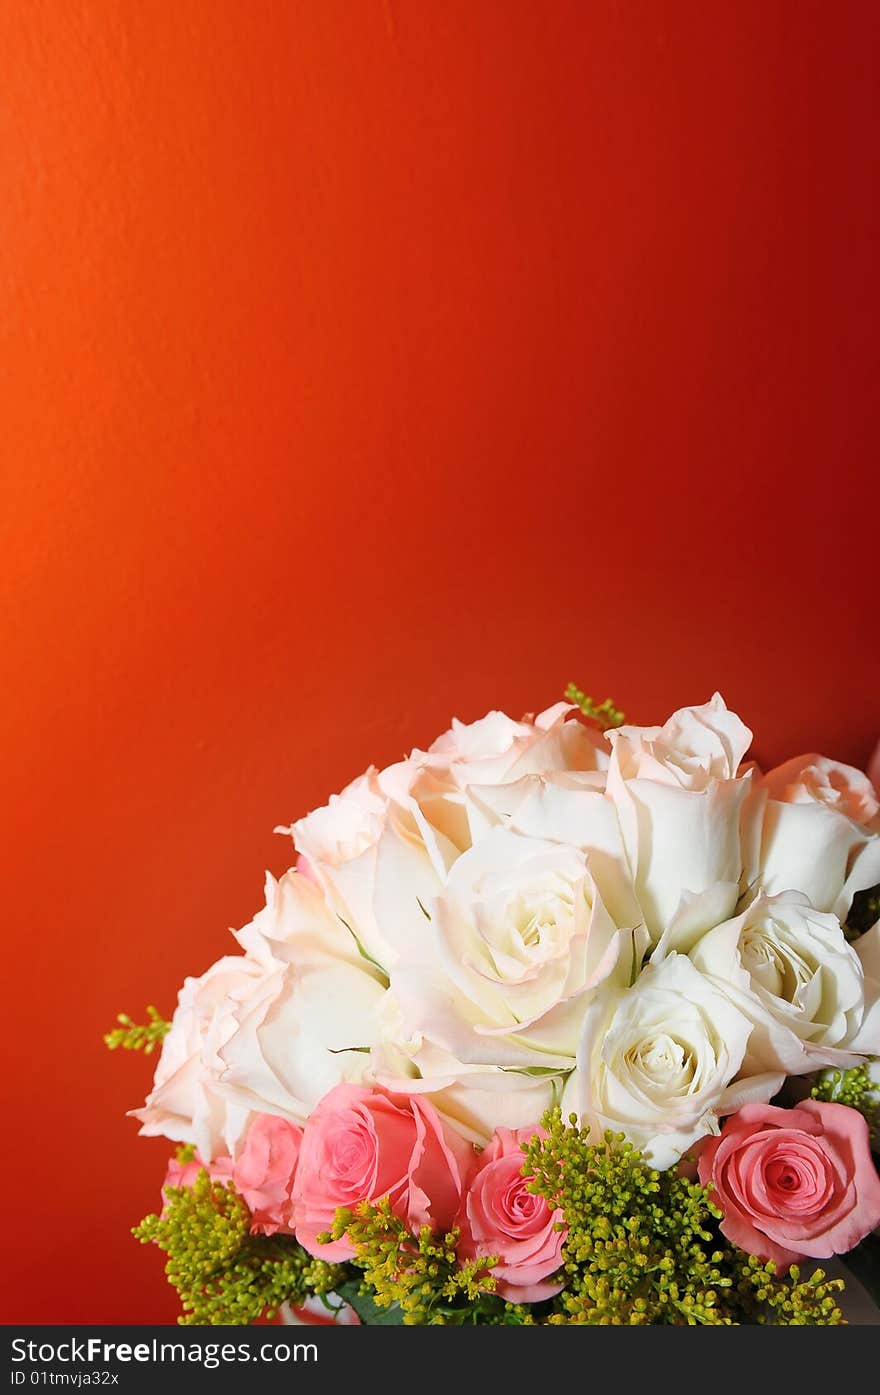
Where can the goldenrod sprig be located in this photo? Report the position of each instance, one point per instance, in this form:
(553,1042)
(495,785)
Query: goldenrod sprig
(605,713)
(419,1277)
(855,1088)
(643,1248)
(222,1273)
(132,1036)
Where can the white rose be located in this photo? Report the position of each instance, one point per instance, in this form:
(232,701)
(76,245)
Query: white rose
(656,1060)
(789,969)
(867,948)
(403,827)
(507,955)
(680,801)
(815,834)
(373,823)
(310,1021)
(696,747)
(433,791)
(567,807)
(476,1099)
(298,925)
(186,1103)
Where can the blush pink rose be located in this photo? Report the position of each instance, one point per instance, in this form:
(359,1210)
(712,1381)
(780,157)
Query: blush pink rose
(181,1174)
(500,1216)
(264,1171)
(874,769)
(793,1183)
(305,869)
(363,1145)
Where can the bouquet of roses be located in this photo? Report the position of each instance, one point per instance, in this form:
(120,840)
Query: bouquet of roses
(559,1021)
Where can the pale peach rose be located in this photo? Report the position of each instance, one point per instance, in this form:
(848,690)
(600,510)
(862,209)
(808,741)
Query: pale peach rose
(816,779)
(187,1103)
(820,833)
(498,751)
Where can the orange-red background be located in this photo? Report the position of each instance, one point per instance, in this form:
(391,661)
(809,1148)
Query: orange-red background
(365,363)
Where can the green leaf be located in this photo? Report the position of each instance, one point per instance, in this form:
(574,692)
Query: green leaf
(368,1311)
(374,963)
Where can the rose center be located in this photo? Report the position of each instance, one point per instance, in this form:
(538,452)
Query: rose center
(349,1155)
(661,1061)
(774,966)
(528,932)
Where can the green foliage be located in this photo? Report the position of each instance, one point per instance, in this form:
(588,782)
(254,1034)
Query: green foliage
(864,912)
(132,1037)
(855,1088)
(605,713)
(643,1246)
(222,1273)
(417,1280)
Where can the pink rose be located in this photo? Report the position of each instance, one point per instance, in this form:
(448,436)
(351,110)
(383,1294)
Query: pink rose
(502,1217)
(793,1182)
(815,778)
(362,1145)
(181,1174)
(264,1173)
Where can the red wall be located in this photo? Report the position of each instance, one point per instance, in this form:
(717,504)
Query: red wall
(363,363)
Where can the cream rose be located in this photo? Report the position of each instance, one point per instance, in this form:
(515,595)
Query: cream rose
(371,826)
(508,954)
(789,969)
(268,1031)
(657,1059)
(312,1018)
(680,800)
(567,807)
(477,1099)
(388,841)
